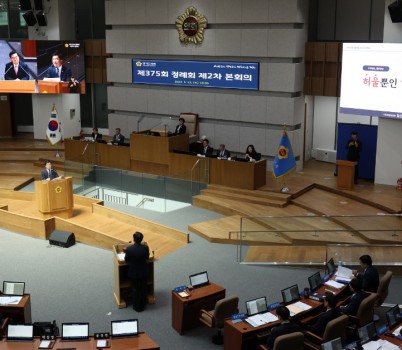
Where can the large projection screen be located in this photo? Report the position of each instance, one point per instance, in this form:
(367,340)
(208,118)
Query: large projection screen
(371,81)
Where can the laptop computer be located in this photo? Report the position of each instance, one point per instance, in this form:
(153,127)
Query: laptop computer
(75,331)
(20,332)
(124,328)
(13,288)
(331,266)
(335,344)
(367,333)
(393,316)
(315,281)
(199,279)
(290,294)
(256,306)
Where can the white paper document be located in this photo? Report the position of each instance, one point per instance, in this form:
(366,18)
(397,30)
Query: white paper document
(121,256)
(344,273)
(380,344)
(261,319)
(334,284)
(298,307)
(10,300)
(397,331)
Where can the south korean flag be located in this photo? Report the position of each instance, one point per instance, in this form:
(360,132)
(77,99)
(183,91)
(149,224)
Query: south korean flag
(53,131)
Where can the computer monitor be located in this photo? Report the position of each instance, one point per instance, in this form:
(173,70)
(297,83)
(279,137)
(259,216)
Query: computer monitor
(290,294)
(13,288)
(367,332)
(256,306)
(335,344)
(331,266)
(315,281)
(393,316)
(199,279)
(20,332)
(74,331)
(124,328)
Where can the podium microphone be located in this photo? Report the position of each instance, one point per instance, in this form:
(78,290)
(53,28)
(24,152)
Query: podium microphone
(29,75)
(7,71)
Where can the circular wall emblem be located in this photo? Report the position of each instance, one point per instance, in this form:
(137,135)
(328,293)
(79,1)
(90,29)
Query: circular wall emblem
(191,25)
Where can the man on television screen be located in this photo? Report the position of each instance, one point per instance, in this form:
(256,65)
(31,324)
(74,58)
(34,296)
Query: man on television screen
(16,70)
(57,69)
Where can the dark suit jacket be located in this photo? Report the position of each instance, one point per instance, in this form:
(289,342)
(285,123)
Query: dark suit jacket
(226,154)
(182,129)
(22,74)
(284,328)
(44,174)
(318,327)
(209,150)
(136,258)
(118,139)
(65,74)
(354,303)
(98,136)
(369,279)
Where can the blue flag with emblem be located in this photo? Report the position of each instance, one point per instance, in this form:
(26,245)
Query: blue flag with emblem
(284,161)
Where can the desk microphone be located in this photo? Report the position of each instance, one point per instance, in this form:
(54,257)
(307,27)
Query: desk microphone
(7,71)
(29,75)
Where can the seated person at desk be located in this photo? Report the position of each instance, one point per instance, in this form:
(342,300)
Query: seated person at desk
(118,139)
(285,327)
(357,297)
(205,148)
(251,154)
(321,321)
(48,173)
(95,135)
(222,152)
(16,70)
(369,278)
(181,128)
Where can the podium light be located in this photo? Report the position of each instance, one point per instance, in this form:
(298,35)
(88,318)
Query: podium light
(30,18)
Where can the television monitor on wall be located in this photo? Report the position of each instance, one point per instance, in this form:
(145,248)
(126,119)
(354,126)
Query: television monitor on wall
(371,80)
(200,74)
(37,61)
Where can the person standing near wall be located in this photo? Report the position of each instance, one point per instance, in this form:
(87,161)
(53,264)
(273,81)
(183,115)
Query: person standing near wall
(354,147)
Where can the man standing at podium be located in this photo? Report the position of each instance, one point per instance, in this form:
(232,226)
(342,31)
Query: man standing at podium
(136,258)
(16,70)
(57,69)
(354,147)
(48,173)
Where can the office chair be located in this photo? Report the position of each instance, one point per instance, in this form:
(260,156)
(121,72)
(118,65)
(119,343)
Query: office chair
(382,292)
(365,312)
(293,341)
(334,329)
(224,308)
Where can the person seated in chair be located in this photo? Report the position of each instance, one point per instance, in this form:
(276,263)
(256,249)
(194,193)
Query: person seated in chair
(285,327)
(118,139)
(222,152)
(318,327)
(206,150)
(251,154)
(95,135)
(357,297)
(369,278)
(180,128)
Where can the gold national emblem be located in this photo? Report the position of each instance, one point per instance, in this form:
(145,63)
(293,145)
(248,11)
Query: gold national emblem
(283,152)
(58,189)
(191,25)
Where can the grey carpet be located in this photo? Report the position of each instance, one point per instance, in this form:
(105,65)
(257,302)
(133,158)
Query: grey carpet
(76,284)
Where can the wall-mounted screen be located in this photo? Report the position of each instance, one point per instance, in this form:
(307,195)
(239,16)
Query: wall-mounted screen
(225,75)
(42,66)
(371,81)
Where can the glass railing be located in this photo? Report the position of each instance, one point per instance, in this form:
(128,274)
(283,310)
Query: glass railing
(313,239)
(135,189)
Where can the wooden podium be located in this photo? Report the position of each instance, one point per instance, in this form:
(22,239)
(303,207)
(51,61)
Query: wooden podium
(55,198)
(122,286)
(27,86)
(52,87)
(346,174)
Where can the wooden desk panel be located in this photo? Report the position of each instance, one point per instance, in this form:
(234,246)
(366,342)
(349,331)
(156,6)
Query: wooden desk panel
(156,149)
(185,311)
(142,342)
(249,176)
(113,156)
(26,86)
(21,312)
(80,151)
(180,166)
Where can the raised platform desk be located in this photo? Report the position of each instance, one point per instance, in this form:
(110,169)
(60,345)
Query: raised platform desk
(21,312)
